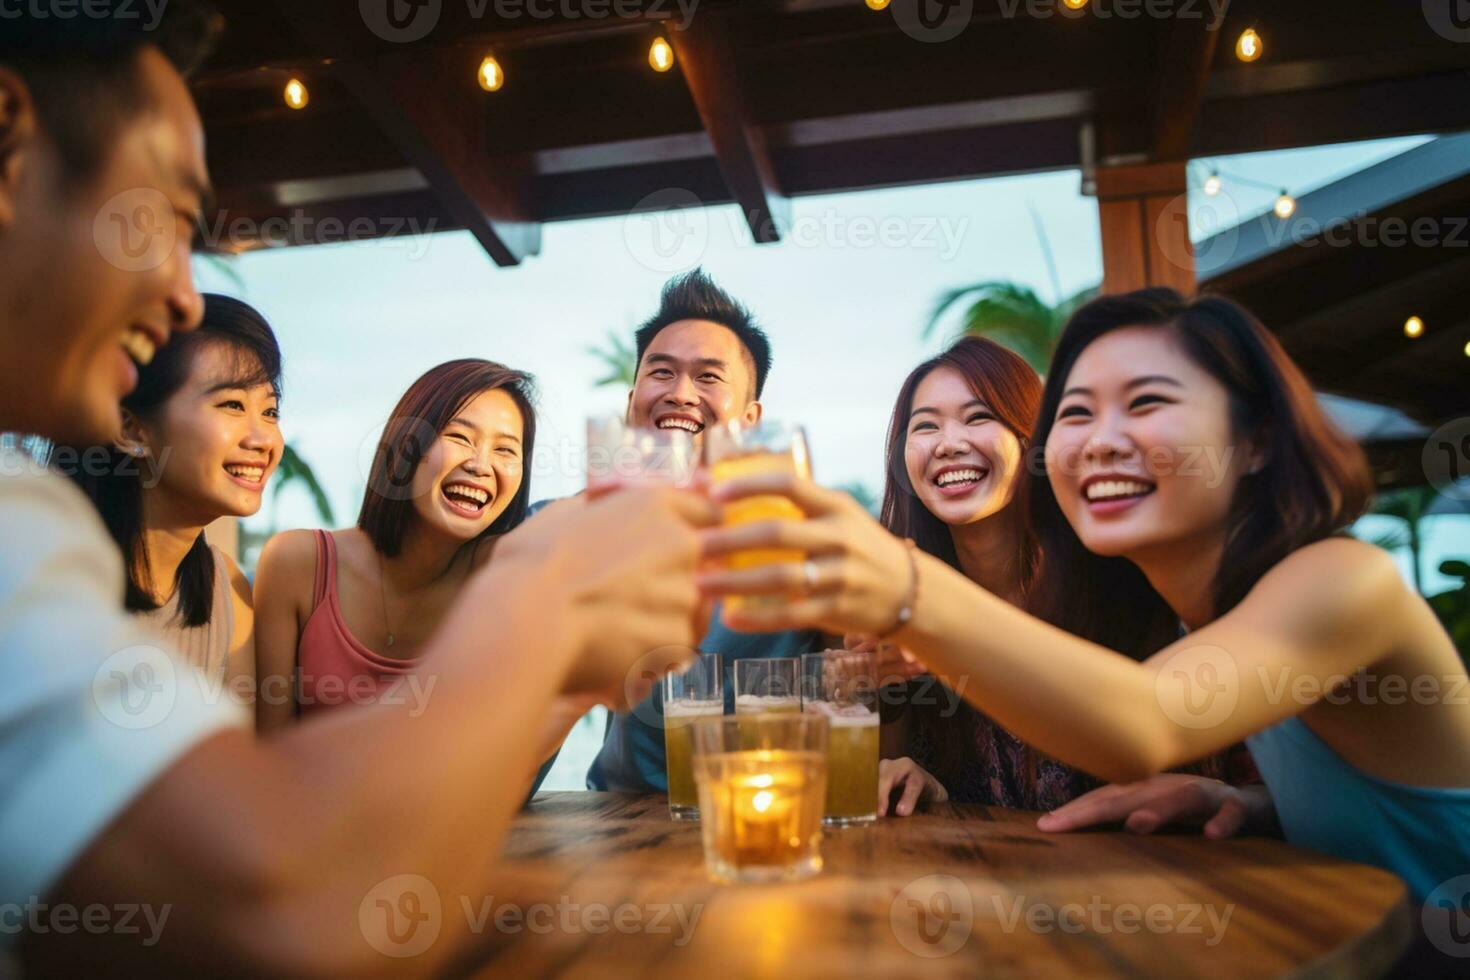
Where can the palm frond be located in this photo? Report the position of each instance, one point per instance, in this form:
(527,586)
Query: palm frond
(294,469)
(620,361)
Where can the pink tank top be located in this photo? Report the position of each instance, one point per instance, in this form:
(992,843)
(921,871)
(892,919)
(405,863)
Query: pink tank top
(336,669)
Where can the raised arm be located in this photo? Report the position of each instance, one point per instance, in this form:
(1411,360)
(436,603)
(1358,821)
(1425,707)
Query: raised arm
(266,852)
(1320,615)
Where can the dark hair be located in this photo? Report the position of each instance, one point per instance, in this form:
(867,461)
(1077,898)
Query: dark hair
(694,296)
(83,71)
(421,414)
(1012,390)
(1313,483)
(117,488)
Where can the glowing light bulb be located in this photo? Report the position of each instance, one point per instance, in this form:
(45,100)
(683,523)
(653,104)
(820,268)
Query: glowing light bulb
(660,55)
(1285,206)
(491,75)
(1413,327)
(1075,4)
(877,4)
(1250,46)
(296,94)
(1467,350)
(1213,184)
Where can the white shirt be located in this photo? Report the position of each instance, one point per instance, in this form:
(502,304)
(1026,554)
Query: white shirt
(92,709)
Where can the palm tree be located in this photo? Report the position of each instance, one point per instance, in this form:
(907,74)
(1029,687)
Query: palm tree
(619,360)
(294,469)
(1013,316)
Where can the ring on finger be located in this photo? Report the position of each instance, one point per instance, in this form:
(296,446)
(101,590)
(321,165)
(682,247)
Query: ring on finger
(810,572)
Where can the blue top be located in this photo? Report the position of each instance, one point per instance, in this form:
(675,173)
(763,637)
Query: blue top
(1422,834)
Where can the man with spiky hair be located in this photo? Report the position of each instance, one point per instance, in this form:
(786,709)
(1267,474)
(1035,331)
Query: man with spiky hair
(702,361)
(128,783)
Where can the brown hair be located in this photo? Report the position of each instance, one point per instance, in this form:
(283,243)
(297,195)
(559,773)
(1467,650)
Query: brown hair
(421,414)
(1313,483)
(1012,391)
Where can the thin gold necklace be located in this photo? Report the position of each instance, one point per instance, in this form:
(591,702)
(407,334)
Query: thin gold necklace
(383,594)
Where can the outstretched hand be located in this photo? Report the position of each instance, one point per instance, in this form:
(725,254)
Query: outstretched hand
(1218,809)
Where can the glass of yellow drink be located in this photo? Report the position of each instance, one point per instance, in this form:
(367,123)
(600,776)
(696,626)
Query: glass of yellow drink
(762,782)
(619,455)
(698,692)
(841,686)
(735,451)
(767,684)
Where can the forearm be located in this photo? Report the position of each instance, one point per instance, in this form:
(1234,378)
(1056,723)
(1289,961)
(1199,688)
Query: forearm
(1072,699)
(265,851)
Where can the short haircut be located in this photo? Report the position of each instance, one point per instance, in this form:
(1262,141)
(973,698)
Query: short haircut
(429,404)
(694,296)
(83,71)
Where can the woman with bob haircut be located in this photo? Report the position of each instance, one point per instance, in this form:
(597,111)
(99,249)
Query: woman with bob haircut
(1194,590)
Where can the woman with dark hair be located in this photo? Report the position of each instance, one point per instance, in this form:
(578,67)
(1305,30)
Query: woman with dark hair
(957,439)
(345,612)
(200,440)
(1190,515)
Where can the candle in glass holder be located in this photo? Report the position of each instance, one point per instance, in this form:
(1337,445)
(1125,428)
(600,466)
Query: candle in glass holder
(762,813)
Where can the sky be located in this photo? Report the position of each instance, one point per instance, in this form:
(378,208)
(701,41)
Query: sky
(844,298)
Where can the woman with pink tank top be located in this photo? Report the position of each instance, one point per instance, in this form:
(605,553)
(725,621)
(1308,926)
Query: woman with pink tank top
(342,615)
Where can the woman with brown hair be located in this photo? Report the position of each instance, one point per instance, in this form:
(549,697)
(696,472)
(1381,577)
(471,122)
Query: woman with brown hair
(1189,518)
(956,449)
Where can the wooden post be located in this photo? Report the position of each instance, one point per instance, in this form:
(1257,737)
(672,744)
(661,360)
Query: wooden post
(1144,212)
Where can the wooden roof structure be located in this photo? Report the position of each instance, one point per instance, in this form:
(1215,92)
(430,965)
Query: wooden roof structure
(775,98)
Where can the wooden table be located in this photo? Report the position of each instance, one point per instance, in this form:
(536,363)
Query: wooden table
(955,892)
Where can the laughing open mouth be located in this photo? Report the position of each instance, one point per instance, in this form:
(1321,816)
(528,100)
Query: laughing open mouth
(466,498)
(1107,490)
(683,423)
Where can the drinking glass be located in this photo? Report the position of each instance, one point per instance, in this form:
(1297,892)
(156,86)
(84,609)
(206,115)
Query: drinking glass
(767,685)
(621,455)
(842,686)
(735,451)
(697,692)
(762,781)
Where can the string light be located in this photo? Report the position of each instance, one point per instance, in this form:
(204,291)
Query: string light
(1213,184)
(1467,350)
(1285,205)
(1075,4)
(1413,327)
(1250,46)
(660,55)
(877,4)
(296,94)
(491,75)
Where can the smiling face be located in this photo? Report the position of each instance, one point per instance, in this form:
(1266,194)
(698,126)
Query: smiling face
(694,374)
(1143,453)
(473,470)
(961,460)
(213,445)
(93,277)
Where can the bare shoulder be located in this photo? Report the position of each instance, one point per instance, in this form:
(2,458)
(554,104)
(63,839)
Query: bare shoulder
(239,584)
(289,553)
(1333,588)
